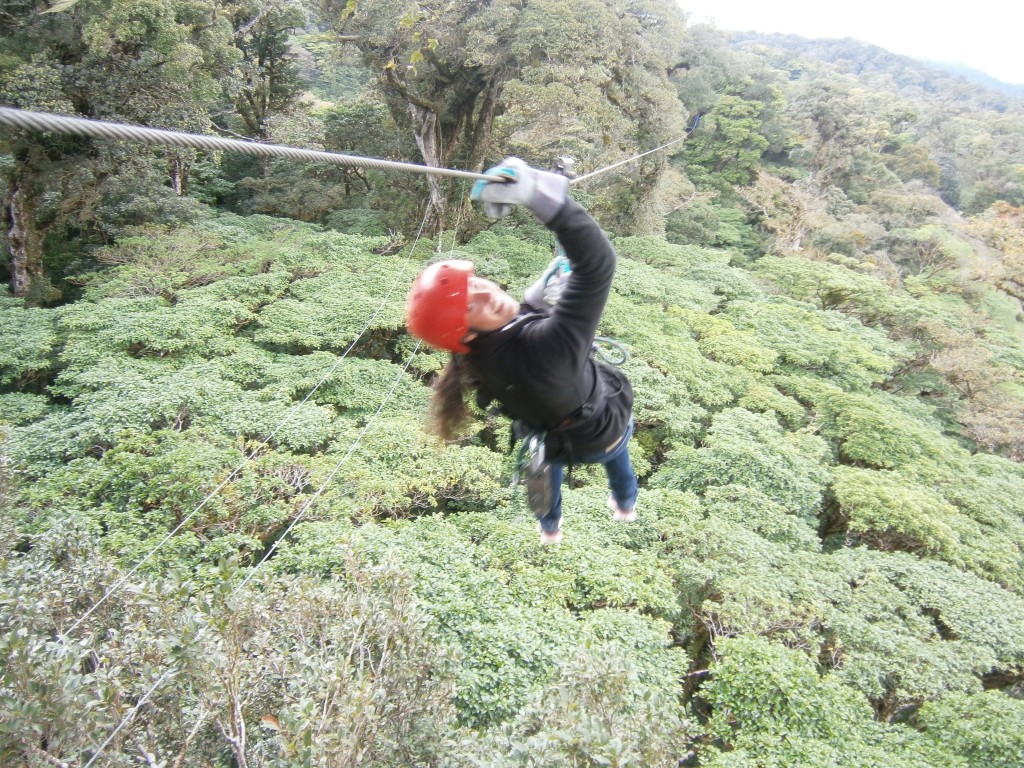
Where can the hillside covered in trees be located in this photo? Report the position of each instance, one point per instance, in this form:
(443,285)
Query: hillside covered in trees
(226,538)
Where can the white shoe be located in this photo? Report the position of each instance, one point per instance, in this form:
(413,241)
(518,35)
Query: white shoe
(621,515)
(550,538)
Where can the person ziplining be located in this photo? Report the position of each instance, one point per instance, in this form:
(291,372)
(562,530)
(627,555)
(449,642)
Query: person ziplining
(534,357)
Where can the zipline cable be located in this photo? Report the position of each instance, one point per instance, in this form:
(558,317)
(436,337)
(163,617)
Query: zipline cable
(78,126)
(599,171)
(592,174)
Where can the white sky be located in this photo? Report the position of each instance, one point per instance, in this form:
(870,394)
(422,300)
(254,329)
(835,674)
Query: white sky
(987,35)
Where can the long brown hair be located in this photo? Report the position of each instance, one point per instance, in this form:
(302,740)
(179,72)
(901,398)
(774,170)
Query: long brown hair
(449,414)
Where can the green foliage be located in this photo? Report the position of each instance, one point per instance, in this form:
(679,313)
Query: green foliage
(727,151)
(246,385)
(890,512)
(509,647)
(719,340)
(759,687)
(985,490)
(893,626)
(509,604)
(750,449)
(822,344)
(983,728)
(22,408)
(737,234)
(661,341)
(356,221)
(309,192)
(268,82)
(708,268)
(913,161)
(663,405)
(752,509)
(905,624)
(160,261)
(873,429)
(398,470)
(772,709)
(843,286)
(290,671)
(733,581)
(31,339)
(697,223)
(596,712)
(762,398)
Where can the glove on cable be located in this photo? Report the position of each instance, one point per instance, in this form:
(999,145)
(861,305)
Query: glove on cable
(542,192)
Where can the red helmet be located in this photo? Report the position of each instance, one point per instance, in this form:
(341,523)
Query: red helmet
(435,310)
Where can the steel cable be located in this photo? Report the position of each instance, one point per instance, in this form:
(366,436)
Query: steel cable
(77,126)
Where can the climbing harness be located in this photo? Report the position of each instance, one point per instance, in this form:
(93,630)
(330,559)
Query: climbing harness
(535,470)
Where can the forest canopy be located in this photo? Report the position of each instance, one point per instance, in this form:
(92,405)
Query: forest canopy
(227,539)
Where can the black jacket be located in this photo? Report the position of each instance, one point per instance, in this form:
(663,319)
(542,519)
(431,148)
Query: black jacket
(540,366)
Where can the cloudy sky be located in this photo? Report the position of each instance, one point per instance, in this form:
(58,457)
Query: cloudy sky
(984,34)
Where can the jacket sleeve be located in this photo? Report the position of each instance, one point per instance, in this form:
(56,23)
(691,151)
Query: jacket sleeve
(573,323)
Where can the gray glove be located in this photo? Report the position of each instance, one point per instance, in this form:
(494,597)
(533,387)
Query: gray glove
(542,192)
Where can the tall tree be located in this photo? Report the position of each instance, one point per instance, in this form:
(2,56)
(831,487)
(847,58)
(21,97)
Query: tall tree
(845,129)
(444,71)
(1002,228)
(268,81)
(441,70)
(153,62)
(728,149)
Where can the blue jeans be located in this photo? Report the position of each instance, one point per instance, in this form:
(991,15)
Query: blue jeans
(621,479)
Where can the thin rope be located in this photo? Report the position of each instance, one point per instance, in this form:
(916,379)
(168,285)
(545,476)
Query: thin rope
(39,121)
(355,444)
(592,174)
(234,473)
(130,715)
(333,472)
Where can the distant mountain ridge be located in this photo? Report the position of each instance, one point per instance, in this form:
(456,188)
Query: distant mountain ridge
(859,57)
(979,77)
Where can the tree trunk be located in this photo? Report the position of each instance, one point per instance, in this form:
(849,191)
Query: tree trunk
(425,126)
(480,135)
(178,168)
(22,240)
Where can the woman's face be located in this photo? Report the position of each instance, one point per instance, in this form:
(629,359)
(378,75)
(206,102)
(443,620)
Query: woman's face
(488,306)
